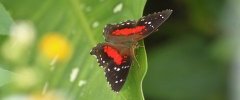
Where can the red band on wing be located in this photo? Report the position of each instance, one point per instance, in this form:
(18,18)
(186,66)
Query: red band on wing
(111,52)
(129,31)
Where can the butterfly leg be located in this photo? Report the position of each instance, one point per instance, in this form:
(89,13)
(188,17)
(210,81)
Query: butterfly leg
(134,56)
(139,45)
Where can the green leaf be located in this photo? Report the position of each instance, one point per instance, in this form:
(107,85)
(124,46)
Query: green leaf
(5,76)
(5,21)
(5,24)
(82,22)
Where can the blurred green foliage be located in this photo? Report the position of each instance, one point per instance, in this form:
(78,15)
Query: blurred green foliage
(190,55)
(48,49)
(6,21)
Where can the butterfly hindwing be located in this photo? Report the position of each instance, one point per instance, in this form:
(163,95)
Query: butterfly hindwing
(116,65)
(101,57)
(116,75)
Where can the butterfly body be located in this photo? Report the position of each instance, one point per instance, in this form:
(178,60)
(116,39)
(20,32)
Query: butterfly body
(116,54)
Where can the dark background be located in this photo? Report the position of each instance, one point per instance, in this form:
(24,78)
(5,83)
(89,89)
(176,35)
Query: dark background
(187,57)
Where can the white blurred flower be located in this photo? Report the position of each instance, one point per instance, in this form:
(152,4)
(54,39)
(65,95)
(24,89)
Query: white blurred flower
(22,32)
(22,35)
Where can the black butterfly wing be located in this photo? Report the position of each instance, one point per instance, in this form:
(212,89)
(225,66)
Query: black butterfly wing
(132,31)
(116,73)
(153,21)
(100,55)
(108,31)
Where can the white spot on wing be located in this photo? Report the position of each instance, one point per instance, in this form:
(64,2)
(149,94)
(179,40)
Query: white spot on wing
(118,69)
(74,74)
(118,8)
(152,26)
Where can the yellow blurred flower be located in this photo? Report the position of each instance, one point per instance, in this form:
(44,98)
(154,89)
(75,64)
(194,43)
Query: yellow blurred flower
(47,97)
(50,95)
(55,45)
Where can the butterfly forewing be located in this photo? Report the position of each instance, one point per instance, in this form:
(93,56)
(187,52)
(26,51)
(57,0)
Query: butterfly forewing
(133,31)
(153,21)
(112,32)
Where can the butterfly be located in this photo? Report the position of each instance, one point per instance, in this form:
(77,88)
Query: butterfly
(116,54)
